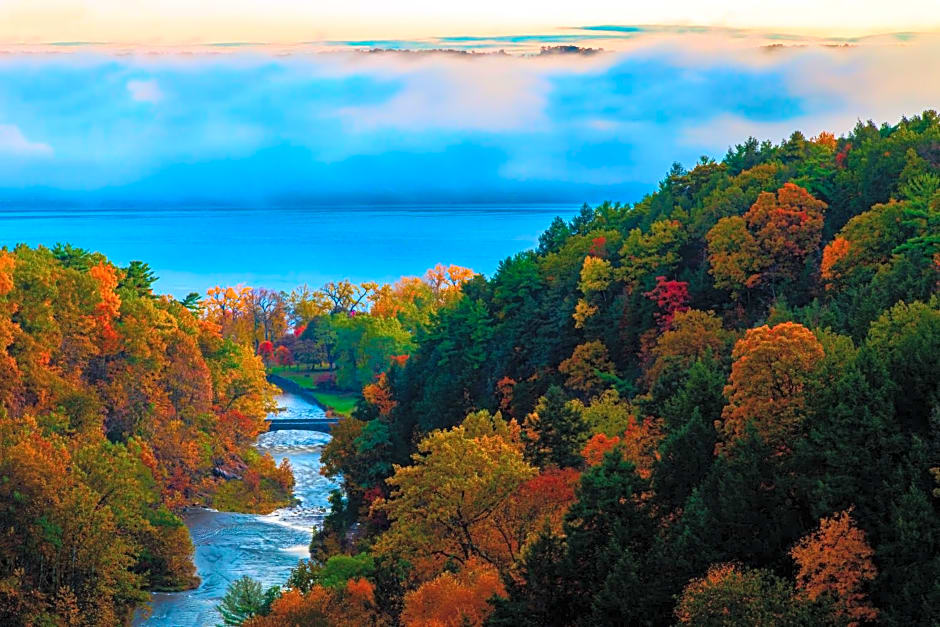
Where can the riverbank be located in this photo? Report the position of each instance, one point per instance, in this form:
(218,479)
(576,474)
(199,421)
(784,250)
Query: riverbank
(265,547)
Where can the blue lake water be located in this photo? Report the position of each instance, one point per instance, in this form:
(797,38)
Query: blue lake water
(266,548)
(194,248)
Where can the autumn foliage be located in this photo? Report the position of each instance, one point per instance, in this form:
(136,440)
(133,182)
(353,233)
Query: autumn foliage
(692,335)
(638,445)
(671,297)
(283,356)
(454,600)
(116,408)
(730,594)
(471,498)
(380,395)
(769,244)
(766,388)
(585,367)
(773,317)
(834,252)
(412,299)
(836,559)
(447,505)
(697,376)
(351,604)
(787,227)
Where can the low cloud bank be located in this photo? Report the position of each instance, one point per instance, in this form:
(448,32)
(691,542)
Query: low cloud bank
(350,127)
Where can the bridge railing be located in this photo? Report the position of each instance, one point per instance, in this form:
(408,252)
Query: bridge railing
(322,425)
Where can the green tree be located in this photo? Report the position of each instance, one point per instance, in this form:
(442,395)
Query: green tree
(906,340)
(244,598)
(538,594)
(339,569)
(607,527)
(555,432)
(138,278)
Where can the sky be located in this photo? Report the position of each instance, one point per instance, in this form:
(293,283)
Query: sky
(202,137)
(185,21)
(253,125)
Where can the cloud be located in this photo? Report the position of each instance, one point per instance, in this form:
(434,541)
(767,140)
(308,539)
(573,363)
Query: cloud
(410,127)
(13,142)
(144,91)
(485,94)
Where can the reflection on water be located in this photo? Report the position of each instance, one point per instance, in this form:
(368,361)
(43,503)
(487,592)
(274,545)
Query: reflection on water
(229,546)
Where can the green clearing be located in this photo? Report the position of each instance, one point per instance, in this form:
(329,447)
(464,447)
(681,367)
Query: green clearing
(340,401)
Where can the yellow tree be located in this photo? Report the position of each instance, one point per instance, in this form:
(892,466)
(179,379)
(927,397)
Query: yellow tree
(733,256)
(442,277)
(304,304)
(585,366)
(691,336)
(582,311)
(345,296)
(446,281)
(230,309)
(269,313)
(403,299)
(444,506)
(596,275)
(607,413)
(730,595)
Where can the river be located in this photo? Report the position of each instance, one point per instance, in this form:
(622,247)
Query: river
(229,546)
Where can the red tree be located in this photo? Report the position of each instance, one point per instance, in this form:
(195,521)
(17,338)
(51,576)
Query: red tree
(283,356)
(671,297)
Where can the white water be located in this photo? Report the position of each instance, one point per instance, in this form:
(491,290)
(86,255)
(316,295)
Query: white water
(229,546)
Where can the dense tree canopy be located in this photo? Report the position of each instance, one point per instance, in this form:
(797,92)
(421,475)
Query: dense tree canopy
(724,369)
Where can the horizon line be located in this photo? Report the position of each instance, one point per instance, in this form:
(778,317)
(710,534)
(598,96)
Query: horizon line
(483,44)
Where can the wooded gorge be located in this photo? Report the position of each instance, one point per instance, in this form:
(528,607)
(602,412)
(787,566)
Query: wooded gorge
(716,406)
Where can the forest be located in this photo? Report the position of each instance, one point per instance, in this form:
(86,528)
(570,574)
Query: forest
(718,405)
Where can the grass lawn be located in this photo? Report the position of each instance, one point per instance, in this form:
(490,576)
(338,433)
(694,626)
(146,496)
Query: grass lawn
(284,371)
(341,402)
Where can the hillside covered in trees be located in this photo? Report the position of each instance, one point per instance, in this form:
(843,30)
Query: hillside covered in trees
(719,405)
